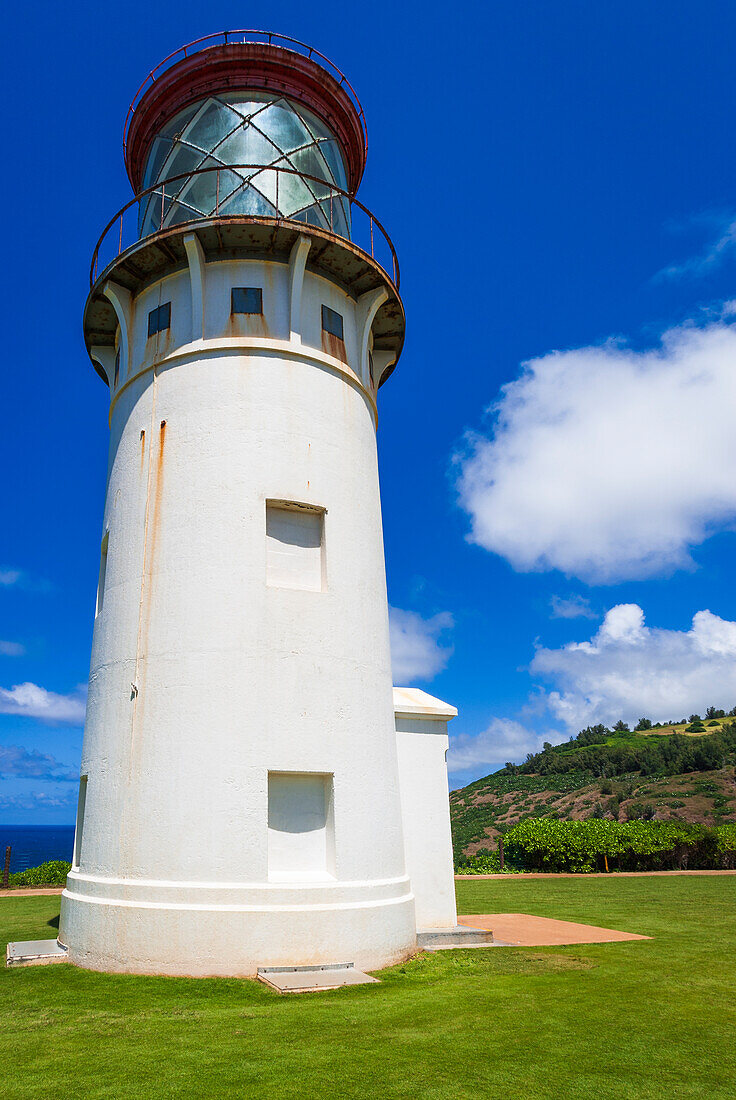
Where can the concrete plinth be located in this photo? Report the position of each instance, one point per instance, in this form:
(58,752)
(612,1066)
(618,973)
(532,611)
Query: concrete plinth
(35,953)
(310,979)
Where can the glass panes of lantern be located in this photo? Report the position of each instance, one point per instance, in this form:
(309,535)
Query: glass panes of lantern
(255,129)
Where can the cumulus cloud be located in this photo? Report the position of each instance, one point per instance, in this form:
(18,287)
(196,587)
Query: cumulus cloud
(416,649)
(571,607)
(20,763)
(33,701)
(629,670)
(608,463)
(502,740)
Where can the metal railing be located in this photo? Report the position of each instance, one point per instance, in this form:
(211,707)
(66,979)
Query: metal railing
(122,231)
(269,38)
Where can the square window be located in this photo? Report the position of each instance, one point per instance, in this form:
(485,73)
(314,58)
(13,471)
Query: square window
(301,829)
(81,803)
(102,574)
(246,299)
(332,322)
(159,319)
(294,546)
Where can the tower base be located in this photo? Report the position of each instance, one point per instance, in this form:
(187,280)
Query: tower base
(231,931)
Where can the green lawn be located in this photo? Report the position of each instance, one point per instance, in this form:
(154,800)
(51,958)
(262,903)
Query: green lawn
(639,1019)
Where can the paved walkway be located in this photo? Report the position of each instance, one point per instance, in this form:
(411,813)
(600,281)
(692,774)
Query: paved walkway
(31,891)
(594,874)
(525,930)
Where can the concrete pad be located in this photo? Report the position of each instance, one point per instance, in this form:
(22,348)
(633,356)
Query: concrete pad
(34,953)
(526,930)
(433,939)
(311,979)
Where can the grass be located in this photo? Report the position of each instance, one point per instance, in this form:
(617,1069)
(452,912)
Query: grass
(642,1019)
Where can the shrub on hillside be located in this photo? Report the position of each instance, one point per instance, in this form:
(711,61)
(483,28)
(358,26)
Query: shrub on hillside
(51,873)
(674,754)
(583,846)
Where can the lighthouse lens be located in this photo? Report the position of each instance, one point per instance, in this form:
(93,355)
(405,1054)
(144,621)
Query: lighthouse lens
(254,154)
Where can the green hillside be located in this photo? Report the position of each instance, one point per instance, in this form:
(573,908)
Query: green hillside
(678,771)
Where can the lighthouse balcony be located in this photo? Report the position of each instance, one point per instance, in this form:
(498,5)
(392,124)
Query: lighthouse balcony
(238,193)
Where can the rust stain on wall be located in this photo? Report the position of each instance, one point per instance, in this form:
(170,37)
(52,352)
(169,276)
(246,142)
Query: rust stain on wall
(334,346)
(154,526)
(158,489)
(143,449)
(247,324)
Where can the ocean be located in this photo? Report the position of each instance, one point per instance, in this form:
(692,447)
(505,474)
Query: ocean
(34,844)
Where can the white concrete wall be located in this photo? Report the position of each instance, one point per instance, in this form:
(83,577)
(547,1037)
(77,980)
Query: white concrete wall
(204,679)
(422,748)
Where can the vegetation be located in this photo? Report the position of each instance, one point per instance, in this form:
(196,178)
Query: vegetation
(605,753)
(643,1019)
(656,772)
(579,846)
(51,873)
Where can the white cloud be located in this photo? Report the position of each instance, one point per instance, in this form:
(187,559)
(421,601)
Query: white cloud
(11,649)
(416,652)
(36,800)
(608,463)
(9,577)
(22,763)
(629,670)
(707,260)
(571,607)
(502,740)
(32,701)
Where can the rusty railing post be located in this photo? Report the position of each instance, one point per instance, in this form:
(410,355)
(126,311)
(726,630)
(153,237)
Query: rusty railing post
(120,241)
(278,211)
(372,256)
(500,852)
(6,871)
(217,194)
(163,192)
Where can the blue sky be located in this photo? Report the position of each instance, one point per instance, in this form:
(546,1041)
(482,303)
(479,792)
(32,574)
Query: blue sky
(557,446)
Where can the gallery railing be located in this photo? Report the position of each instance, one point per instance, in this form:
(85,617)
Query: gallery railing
(123,230)
(235,37)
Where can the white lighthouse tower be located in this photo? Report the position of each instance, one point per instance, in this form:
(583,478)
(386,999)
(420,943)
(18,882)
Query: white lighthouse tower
(240,799)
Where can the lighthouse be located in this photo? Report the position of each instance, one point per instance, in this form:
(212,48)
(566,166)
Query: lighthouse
(253,790)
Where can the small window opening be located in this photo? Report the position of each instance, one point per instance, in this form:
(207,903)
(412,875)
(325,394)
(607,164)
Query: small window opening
(102,574)
(117,368)
(159,319)
(294,546)
(81,802)
(301,827)
(332,322)
(246,299)
(370,368)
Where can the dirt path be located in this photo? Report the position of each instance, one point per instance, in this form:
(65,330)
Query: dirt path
(595,874)
(526,930)
(30,891)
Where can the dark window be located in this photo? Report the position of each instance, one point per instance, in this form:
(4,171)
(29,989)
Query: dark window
(81,801)
(332,322)
(159,319)
(246,299)
(117,367)
(370,367)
